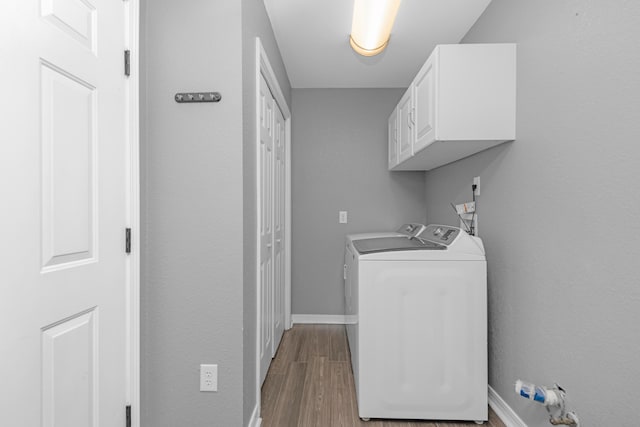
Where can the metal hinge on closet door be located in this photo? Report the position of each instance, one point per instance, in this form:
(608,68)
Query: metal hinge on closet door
(127,62)
(127,240)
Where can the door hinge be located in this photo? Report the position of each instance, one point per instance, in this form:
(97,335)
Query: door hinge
(127,240)
(128,416)
(127,62)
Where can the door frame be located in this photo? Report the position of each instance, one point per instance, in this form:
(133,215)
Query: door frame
(132,88)
(264,69)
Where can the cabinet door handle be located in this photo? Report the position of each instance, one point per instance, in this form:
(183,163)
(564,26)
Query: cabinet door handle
(413,115)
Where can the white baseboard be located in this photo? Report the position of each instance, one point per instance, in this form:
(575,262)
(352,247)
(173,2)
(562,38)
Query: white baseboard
(255,420)
(330,319)
(504,411)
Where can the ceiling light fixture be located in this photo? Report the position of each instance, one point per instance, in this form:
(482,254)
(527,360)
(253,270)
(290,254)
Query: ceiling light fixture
(372,23)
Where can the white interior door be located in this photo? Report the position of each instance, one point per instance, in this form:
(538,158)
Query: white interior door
(63,173)
(278,229)
(265,218)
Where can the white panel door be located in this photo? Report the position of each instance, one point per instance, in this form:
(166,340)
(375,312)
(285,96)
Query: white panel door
(278,229)
(63,170)
(424,106)
(405,126)
(265,218)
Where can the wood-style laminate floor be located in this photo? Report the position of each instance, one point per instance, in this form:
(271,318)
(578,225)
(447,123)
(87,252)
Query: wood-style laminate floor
(310,384)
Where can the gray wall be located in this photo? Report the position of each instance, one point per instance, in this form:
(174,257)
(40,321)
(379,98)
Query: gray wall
(339,161)
(192,184)
(558,209)
(255,23)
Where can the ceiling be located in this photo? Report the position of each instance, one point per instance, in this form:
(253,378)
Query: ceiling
(313,36)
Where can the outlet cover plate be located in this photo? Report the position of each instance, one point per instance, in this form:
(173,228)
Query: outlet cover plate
(208,377)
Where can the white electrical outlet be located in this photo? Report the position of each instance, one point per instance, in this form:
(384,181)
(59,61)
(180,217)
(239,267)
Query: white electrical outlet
(476,182)
(208,377)
(342,217)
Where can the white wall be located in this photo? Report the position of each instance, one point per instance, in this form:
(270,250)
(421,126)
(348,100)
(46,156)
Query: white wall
(339,161)
(559,207)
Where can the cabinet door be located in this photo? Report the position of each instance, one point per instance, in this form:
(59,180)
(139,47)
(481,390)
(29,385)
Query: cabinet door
(393,138)
(424,106)
(405,126)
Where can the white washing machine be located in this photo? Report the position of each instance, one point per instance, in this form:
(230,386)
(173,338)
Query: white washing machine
(417,311)
(408,230)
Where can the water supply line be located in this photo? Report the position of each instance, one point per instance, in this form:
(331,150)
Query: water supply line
(553,398)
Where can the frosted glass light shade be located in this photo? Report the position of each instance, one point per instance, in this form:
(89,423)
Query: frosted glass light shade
(372,24)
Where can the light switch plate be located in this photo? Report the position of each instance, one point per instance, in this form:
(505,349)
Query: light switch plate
(342,217)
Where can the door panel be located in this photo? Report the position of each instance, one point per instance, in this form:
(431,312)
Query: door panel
(75,18)
(68,107)
(63,167)
(424,101)
(69,372)
(405,126)
(266,227)
(279,231)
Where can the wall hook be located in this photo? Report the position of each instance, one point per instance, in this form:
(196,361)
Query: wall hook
(185,97)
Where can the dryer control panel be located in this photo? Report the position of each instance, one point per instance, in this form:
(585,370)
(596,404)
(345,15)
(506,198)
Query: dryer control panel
(442,234)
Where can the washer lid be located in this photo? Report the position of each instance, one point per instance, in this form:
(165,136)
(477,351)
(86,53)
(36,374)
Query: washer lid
(405,230)
(386,244)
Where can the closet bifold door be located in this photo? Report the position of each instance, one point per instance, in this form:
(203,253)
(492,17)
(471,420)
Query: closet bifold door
(278,229)
(265,219)
(272,210)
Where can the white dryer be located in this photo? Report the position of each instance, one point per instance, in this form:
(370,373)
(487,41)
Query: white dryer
(418,324)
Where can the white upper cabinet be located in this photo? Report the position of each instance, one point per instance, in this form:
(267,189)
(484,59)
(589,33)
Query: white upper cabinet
(393,138)
(462,101)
